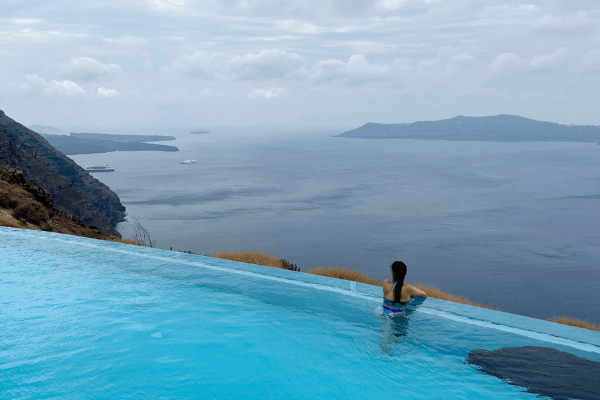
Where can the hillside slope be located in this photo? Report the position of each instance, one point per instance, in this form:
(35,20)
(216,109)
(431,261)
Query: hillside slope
(24,204)
(74,190)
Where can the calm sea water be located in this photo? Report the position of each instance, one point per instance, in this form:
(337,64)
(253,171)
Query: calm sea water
(513,224)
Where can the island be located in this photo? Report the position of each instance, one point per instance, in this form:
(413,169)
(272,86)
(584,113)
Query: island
(123,138)
(502,128)
(90,143)
(199,131)
(42,129)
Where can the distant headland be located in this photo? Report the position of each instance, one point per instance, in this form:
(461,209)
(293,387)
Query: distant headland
(501,128)
(199,131)
(113,137)
(89,143)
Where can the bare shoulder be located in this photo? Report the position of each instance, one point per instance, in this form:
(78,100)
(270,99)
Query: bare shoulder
(388,288)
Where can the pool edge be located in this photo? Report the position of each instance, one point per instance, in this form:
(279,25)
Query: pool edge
(500,318)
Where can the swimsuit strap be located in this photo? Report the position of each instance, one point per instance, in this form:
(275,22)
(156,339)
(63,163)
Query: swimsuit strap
(394,290)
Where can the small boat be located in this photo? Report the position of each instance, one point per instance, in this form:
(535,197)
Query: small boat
(189,161)
(99,168)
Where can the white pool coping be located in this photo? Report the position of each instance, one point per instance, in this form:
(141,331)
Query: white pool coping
(579,338)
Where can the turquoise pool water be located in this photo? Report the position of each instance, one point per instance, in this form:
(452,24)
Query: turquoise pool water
(83,318)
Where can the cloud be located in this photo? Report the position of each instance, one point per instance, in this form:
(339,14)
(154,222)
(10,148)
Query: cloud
(160,4)
(33,83)
(363,59)
(506,63)
(565,24)
(89,69)
(196,65)
(64,88)
(528,7)
(104,92)
(510,63)
(25,21)
(547,61)
(127,40)
(483,92)
(591,62)
(356,71)
(269,93)
(264,65)
(267,64)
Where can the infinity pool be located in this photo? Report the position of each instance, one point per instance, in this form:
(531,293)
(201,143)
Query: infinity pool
(83,318)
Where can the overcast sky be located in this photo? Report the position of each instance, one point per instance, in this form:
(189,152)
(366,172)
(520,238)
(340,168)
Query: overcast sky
(197,63)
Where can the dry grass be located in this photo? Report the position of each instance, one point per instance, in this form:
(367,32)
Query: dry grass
(12,195)
(10,222)
(342,272)
(438,293)
(258,258)
(127,241)
(575,322)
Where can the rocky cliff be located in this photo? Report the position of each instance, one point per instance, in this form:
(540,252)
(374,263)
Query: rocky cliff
(25,205)
(74,190)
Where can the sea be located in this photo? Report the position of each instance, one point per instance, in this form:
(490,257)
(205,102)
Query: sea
(513,224)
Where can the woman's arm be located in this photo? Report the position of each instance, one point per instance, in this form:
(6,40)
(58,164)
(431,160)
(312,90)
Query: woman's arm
(415,291)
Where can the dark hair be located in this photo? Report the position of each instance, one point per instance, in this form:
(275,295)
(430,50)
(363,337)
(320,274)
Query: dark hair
(398,273)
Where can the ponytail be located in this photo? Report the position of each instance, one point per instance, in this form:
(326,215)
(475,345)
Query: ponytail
(398,273)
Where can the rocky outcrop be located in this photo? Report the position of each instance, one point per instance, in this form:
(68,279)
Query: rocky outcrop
(16,177)
(25,205)
(74,190)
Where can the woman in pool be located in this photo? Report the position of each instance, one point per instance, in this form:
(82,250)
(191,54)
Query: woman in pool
(397,294)
(396,299)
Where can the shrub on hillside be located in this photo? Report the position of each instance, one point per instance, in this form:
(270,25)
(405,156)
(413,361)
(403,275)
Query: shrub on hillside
(258,258)
(31,211)
(7,201)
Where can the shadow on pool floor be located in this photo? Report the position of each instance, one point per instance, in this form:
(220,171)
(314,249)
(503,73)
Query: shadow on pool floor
(542,370)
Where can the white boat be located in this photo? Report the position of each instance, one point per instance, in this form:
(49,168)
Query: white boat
(189,161)
(99,168)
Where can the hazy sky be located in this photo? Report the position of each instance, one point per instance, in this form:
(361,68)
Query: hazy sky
(297,62)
